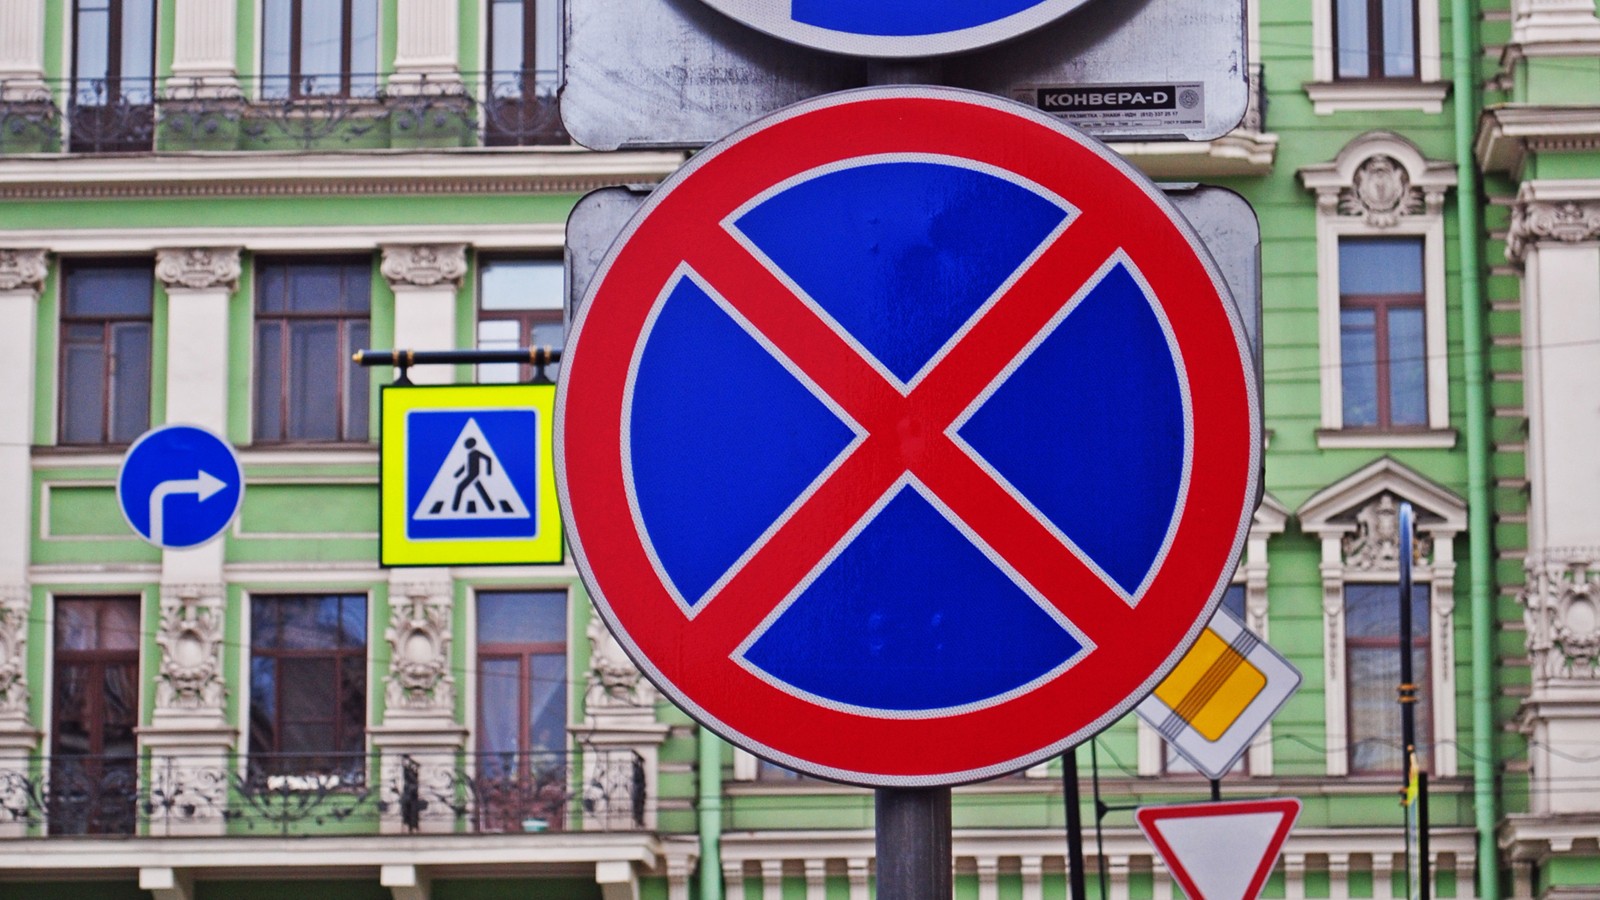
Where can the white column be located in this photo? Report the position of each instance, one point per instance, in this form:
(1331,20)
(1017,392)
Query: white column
(424,278)
(1383,876)
(771,878)
(988,878)
(22,275)
(21,49)
(1032,878)
(733,878)
(816,879)
(204,49)
(189,737)
(1553,21)
(856,871)
(427,46)
(1294,876)
(1338,876)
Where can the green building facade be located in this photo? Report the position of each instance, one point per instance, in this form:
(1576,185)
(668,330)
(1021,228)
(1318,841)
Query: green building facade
(206,205)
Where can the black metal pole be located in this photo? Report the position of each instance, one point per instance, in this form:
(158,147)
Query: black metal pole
(1100,811)
(537,357)
(1216,790)
(1408,696)
(1074,799)
(1422,835)
(913,843)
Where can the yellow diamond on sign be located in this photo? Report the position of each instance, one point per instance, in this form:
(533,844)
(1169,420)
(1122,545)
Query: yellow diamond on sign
(1212,686)
(467,476)
(1221,693)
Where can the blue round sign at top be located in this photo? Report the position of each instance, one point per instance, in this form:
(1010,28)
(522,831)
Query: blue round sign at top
(895,28)
(180,486)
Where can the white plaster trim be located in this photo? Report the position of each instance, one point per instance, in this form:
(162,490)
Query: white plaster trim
(1237,153)
(1329,97)
(1387,440)
(1507,135)
(1427,182)
(521,236)
(1441,515)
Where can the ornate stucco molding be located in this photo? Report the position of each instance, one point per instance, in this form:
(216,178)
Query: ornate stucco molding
(14,652)
(1561,609)
(23,269)
(419,679)
(199,268)
(1382,179)
(615,683)
(1375,545)
(424,265)
(190,636)
(1565,222)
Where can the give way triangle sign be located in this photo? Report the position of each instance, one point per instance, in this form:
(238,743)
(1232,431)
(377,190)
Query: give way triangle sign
(1220,851)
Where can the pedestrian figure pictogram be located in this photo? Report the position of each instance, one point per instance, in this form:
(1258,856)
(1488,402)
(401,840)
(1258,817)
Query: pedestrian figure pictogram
(470,483)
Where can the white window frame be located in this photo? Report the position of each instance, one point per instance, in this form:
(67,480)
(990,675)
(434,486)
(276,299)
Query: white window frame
(1352,203)
(1271,518)
(1425,93)
(1441,516)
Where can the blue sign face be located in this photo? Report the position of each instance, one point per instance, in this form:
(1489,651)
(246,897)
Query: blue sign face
(180,486)
(471,473)
(902,28)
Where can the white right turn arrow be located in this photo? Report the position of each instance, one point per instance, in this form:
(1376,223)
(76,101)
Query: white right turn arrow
(203,486)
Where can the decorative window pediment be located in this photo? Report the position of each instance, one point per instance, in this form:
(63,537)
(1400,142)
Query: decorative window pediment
(1357,520)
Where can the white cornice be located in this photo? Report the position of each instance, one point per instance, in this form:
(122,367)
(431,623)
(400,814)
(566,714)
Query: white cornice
(1507,134)
(411,173)
(1235,153)
(296,239)
(1328,97)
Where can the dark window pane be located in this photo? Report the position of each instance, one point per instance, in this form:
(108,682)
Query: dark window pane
(305,684)
(321,42)
(308,623)
(1408,370)
(498,701)
(308,678)
(120,709)
(130,380)
(83,384)
(522,284)
(547,710)
(1399,39)
(357,389)
(363,48)
(108,290)
(1233,601)
(1373,611)
(1358,357)
(275,27)
(1375,744)
(119,625)
(93,41)
(522,617)
(138,48)
(77,625)
(314,375)
(315,288)
(1380,266)
(307,737)
(1352,38)
(505,48)
(269,381)
(71,734)
(272,289)
(353,621)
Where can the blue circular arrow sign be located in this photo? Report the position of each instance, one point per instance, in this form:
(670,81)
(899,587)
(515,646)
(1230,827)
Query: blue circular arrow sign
(180,486)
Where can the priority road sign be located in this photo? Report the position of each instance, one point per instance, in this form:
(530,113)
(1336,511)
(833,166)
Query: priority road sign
(180,486)
(1223,692)
(467,477)
(1220,851)
(907,437)
(896,28)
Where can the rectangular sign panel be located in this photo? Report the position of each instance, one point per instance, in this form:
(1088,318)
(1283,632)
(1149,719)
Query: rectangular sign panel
(467,476)
(677,73)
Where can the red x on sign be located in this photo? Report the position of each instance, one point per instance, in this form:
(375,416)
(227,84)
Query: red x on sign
(907,437)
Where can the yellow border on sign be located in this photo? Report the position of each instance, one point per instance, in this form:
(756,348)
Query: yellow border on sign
(395,549)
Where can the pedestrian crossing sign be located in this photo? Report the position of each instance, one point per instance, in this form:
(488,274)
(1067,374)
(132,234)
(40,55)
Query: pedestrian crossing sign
(466,476)
(1221,694)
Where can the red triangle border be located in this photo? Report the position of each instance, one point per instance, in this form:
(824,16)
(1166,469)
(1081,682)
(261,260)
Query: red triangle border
(1148,816)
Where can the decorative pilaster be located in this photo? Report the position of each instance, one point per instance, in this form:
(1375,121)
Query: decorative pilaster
(1560,222)
(419,723)
(1553,22)
(199,268)
(21,49)
(199,283)
(203,50)
(1561,609)
(619,716)
(189,739)
(22,276)
(425,278)
(426,47)
(18,739)
(23,270)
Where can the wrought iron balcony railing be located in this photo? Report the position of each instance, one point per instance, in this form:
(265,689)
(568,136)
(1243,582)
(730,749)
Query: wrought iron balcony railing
(588,790)
(275,112)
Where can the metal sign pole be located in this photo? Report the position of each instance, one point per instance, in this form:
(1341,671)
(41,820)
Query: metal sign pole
(1408,706)
(1074,798)
(913,843)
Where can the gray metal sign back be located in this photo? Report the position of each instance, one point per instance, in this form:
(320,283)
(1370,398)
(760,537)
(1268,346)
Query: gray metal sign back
(679,74)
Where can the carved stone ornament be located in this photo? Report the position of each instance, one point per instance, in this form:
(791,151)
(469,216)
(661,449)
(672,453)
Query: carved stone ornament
(1381,191)
(190,638)
(13,652)
(419,678)
(1561,609)
(1568,222)
(22,269)
(614,681)
(1376,544)
(199,268)
(424,265)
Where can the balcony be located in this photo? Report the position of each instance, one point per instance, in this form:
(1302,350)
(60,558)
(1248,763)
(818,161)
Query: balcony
(588,790)
(275,113)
